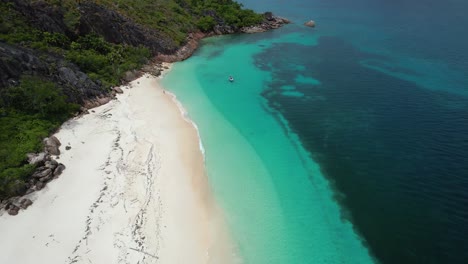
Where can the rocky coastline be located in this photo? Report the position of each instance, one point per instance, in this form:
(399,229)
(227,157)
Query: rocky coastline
(270,22)
(79,88)
(48,169)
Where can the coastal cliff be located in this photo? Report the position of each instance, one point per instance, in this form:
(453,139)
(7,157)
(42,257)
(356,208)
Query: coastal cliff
(56,56)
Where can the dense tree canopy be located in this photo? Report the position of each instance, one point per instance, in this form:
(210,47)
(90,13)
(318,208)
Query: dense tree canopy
(35,107)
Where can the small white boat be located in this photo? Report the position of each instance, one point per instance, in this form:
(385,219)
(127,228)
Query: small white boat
(231,79)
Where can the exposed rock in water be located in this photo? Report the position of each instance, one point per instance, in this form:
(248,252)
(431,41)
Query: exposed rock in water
(310,23)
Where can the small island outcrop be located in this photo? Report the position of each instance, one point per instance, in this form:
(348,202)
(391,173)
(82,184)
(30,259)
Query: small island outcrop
(310,23)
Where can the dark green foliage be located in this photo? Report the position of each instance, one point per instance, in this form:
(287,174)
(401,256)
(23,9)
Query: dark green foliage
(228,11)
(206,23)
(32,110)
(55,39)
(12,180)
(36,97)
(105,61)
(28,113)
(19,134)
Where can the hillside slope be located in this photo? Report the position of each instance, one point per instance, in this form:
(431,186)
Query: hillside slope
(56,55)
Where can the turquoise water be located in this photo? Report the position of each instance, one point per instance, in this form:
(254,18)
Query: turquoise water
(358,126)
(279,206)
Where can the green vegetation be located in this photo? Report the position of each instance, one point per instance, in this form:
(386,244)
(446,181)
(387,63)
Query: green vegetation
(28,113)
(229,11)
(32,110)
(206,23)
(104,61)
(36,97)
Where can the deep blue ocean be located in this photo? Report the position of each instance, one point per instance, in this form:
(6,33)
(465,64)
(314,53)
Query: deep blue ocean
(389,123)
(373,101)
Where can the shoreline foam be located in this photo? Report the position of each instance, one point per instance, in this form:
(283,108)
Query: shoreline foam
(135,189)
(185,115)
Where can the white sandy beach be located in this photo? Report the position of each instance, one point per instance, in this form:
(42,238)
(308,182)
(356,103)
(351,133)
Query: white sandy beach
(134,191)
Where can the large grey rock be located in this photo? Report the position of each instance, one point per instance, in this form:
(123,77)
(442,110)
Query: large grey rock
(224,29)
(154,70)
(25,203)
(17,61)
(52,145)
(95,18)
(103,100)
(46,178)
(40,185)
(51,164)
(43,173)
(130,76)
(59,170)
(117,90)
(38,158)
(12,209)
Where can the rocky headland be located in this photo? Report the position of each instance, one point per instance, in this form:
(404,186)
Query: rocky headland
(270,22)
